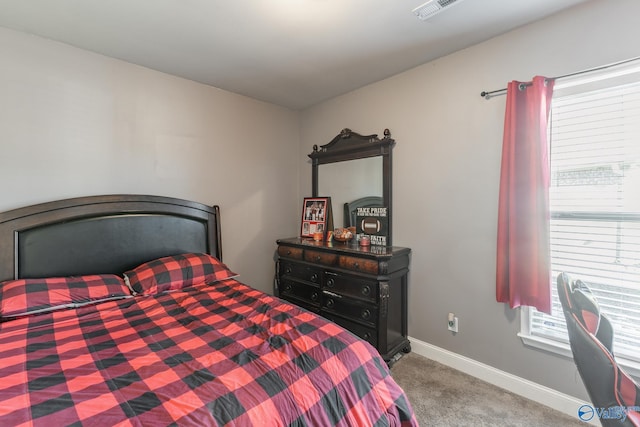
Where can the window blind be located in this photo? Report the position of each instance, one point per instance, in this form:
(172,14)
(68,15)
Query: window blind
(595,208)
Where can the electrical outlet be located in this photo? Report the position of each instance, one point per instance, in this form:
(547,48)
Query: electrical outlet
(452,323)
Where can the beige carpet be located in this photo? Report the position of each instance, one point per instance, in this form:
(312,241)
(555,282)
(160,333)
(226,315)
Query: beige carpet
(442,396)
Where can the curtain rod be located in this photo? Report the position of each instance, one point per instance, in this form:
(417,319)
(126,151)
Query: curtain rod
(503,91)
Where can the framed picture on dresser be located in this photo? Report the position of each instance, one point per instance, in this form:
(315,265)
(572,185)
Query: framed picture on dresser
(317,216)
(373,222)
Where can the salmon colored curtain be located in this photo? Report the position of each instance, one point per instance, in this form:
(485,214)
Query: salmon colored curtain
(523,272)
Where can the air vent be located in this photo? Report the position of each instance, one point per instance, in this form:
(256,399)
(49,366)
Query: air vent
(433,7)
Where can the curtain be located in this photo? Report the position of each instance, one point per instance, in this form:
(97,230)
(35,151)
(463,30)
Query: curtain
(523,264)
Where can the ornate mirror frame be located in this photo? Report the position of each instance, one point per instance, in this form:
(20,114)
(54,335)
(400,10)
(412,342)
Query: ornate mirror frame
(349,145)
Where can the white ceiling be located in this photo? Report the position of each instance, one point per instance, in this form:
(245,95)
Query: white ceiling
(294,53)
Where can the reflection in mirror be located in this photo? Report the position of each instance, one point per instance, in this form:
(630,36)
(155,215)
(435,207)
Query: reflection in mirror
(349,180)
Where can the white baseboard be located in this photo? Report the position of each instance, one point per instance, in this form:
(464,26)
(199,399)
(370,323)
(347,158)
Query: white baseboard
(525,388)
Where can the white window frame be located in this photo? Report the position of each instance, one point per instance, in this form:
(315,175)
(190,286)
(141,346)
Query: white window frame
(624,74)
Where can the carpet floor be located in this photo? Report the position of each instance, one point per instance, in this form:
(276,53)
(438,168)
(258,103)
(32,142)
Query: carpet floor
(443,396)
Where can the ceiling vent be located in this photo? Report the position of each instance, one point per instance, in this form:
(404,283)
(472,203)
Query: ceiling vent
(433,7)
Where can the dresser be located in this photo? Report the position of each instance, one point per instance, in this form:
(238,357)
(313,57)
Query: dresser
(363,289)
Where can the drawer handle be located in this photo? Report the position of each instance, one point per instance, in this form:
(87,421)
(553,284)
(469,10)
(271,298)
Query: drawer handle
(314,277)
(366,290)
(330,283)
(289,252)
(314,296)
(288,270)
(366,336)
(318,257)
(287,288)
(330,303)
(356,265)
(366,314)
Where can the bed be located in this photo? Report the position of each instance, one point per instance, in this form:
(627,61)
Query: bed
(118,310)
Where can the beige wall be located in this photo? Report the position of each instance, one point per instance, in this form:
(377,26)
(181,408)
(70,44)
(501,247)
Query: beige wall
(73,123)
(446,172)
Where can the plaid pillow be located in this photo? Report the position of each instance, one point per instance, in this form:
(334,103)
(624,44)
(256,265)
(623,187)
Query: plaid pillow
(30,296)
(176,272)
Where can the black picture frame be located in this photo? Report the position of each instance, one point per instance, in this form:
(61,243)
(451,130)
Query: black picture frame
(373,222)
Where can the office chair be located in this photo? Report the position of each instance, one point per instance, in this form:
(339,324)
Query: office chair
(614,394)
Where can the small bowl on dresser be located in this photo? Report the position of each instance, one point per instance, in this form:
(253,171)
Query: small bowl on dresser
(342,235)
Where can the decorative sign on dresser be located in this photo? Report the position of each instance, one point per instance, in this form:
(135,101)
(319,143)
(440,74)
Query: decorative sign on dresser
(360,285)
(363,289)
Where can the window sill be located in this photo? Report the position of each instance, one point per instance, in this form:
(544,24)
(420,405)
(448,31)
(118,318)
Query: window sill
(630,367)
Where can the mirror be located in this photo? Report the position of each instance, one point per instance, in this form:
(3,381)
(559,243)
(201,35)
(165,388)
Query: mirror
(352,166)
(347,181)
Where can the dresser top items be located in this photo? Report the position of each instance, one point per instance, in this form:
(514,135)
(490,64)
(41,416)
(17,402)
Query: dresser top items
(350,248)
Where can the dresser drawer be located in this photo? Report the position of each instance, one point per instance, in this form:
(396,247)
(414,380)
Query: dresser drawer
(324,258)
(300,291)
(351,286)
(290,252)
(293,270)
(359,264)
(348,308)
(364,332)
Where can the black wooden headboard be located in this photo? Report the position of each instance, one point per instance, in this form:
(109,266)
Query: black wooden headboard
(103,234)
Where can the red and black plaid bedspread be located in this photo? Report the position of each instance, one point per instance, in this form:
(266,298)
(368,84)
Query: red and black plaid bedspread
(221,354)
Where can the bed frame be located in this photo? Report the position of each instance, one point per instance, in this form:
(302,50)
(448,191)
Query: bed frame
(103,234)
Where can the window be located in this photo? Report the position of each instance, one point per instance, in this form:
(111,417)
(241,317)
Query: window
(595,208)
